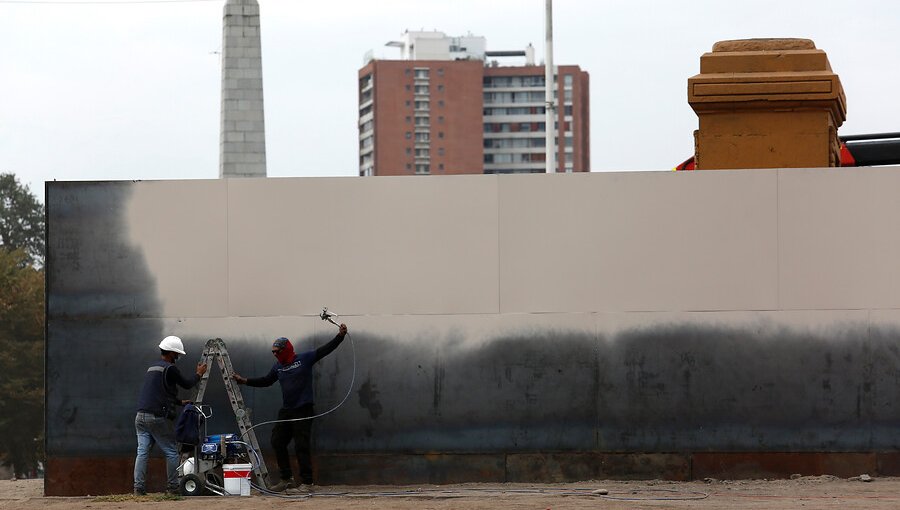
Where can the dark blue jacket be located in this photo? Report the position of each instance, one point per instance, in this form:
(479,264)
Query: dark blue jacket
(296,377)
(158,395)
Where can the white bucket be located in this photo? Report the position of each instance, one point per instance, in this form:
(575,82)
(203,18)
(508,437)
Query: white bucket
(237,479)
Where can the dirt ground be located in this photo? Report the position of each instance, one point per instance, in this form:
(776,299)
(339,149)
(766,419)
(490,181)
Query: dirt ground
(806,492)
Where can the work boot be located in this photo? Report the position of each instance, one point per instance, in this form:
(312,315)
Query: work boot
(283,485)
(140,492)
(301,489)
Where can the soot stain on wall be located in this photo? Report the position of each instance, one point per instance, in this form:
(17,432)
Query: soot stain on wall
(103,329)
(511,392)
(723,388)
(669,388)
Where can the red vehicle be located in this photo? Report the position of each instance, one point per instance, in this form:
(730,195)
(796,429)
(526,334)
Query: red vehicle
(856,150)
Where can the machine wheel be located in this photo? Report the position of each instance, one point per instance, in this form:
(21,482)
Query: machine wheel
(192,485)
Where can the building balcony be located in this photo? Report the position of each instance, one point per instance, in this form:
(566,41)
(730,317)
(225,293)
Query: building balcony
(540,165)
(517,134)
(511,104)
(507,88)
(536,117)
(515,150)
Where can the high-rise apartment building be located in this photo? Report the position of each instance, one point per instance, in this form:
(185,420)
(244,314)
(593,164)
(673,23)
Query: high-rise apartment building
(447,107)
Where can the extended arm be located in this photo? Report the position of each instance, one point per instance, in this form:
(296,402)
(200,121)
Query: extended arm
(173,376)
(328,348)
(259,382)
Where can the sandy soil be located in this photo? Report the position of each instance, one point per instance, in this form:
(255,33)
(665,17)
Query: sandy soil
(806,492)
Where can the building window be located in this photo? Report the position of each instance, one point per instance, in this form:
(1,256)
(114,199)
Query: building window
(420,89)
(408,103)
(409,166)
(408,135)
(440,151)
(440,119)
(423,168)
(567,80)
(408,119)
(441,166)
(440,71)
(422,73)
(440,134)
(408,150)
(408,87)
(407,71)
(440,88)
(441,103)
(568,110)
(513,81)
(498,158)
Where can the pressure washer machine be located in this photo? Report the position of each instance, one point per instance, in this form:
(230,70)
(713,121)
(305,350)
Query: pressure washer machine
(218,465)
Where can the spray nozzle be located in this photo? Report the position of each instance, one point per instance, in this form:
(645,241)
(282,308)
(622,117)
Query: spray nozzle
(327,316)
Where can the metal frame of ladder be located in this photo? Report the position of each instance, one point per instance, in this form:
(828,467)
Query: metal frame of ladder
(215,349)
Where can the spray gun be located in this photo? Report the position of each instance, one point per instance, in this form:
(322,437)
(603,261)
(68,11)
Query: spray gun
(327,316)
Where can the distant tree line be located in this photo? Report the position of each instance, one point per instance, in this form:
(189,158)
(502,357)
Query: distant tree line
(22,253)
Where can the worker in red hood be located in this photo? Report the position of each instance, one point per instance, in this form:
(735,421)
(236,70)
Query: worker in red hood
(294,372)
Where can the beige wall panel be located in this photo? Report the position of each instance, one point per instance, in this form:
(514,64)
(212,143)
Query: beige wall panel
(888,317)
(839,238)
(638,241)
(387,245)
(179,226)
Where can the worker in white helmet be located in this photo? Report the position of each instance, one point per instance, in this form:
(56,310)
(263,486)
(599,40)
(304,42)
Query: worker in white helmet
(154,422)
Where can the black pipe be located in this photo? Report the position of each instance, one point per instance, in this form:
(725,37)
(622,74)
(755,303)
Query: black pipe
(871,136)
(875,152)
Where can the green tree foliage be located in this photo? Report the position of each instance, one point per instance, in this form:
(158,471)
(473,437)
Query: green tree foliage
(21,361)
(21,326)
(21,220)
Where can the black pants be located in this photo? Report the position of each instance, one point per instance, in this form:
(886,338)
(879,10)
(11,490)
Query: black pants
(301,432)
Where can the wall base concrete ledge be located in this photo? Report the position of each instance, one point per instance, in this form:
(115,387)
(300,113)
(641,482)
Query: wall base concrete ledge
(80,476)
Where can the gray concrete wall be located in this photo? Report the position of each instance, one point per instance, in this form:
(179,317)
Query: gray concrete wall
(731,311)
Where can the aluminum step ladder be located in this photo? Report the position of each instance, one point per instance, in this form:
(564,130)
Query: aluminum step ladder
(215,350)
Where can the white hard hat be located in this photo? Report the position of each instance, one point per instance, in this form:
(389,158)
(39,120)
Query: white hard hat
(172,343)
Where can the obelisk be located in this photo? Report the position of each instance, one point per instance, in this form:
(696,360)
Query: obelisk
(242,137)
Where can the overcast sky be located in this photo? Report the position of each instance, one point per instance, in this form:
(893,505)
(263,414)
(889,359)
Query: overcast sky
(97,92)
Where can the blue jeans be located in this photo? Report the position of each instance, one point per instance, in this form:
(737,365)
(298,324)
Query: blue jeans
(154,430)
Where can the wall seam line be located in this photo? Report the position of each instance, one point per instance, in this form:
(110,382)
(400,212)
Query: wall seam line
(778,239)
